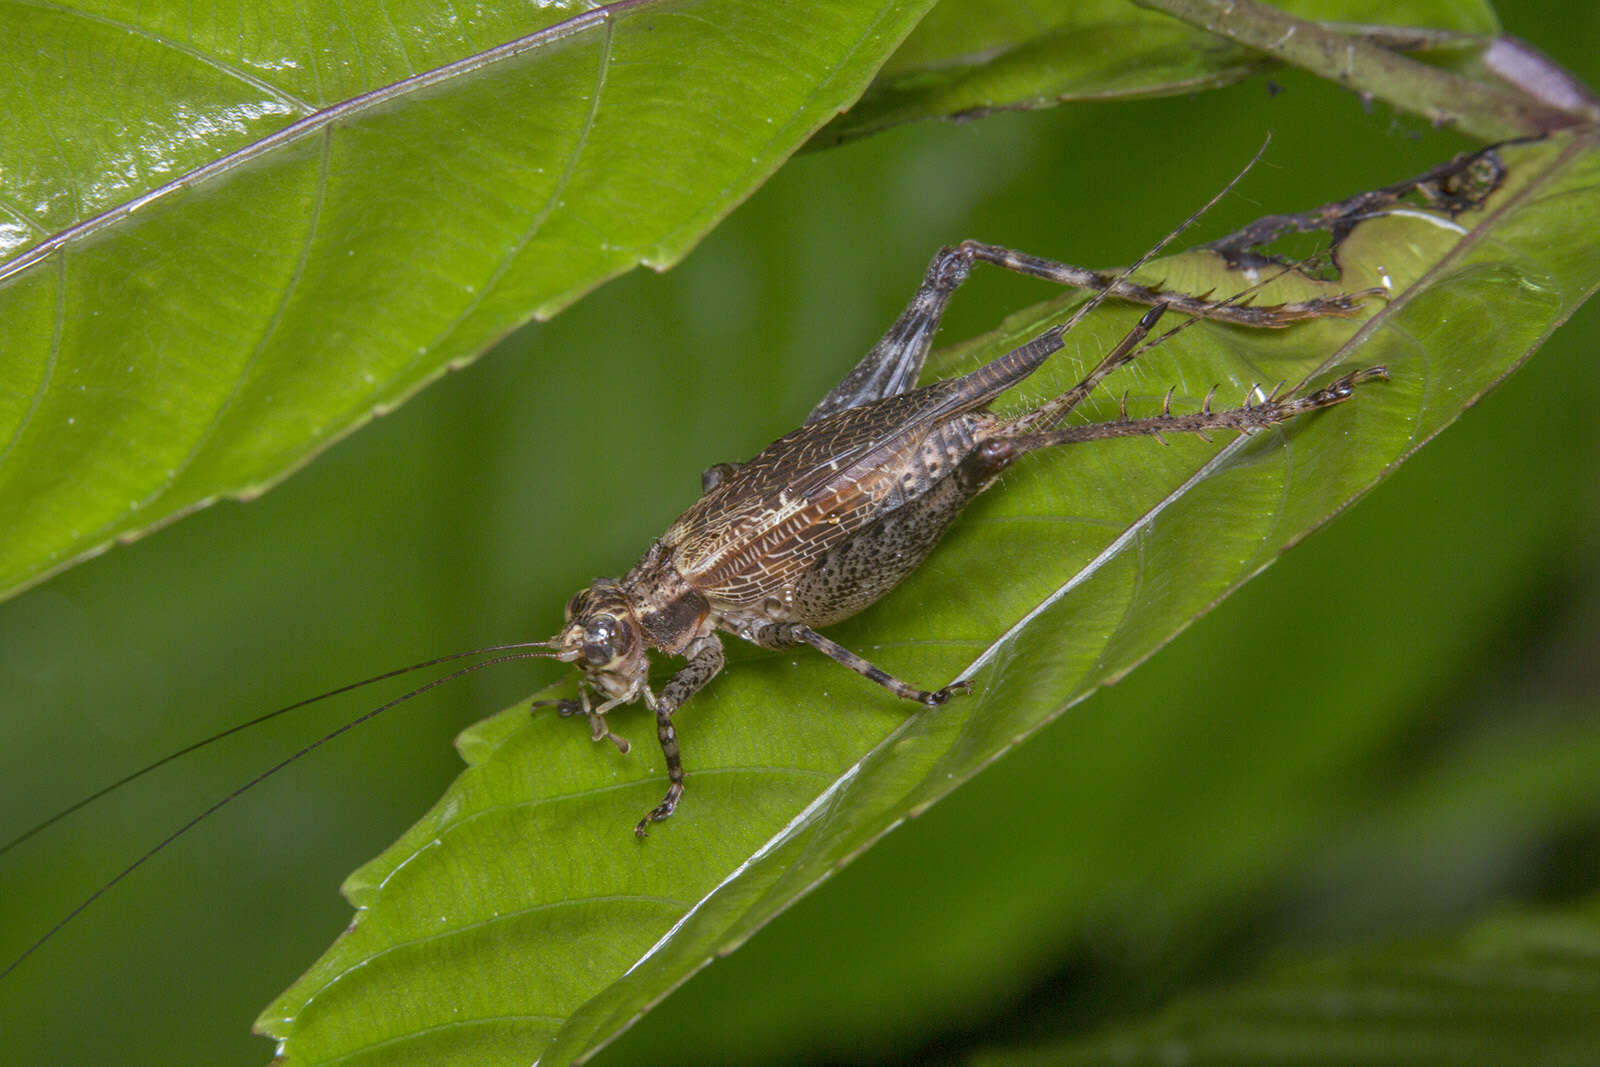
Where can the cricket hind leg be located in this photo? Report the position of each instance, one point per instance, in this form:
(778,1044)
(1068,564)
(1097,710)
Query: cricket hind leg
(893,365)
(1246,419)
(790,634)
(1052,413)
(1048,414)
(895,362)
(1242,313)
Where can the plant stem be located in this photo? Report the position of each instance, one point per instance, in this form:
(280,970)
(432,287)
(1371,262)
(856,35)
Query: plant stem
(1482,109)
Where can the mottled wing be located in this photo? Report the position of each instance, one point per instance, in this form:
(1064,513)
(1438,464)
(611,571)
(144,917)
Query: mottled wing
(762,527)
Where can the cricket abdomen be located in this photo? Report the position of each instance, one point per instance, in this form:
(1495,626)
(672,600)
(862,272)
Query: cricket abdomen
(862,569)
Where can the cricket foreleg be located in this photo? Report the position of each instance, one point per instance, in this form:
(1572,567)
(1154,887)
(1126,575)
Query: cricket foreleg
(598,730)
(705,662)
(896,360)
(1231,310)
(1246,419)
(786,634)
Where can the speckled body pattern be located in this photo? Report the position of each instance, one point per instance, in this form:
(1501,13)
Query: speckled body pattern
(785,530)
(827,519)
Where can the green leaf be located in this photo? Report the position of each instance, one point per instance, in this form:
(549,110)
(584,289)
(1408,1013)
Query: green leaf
(1494,107)
(286,231)
(1519,988)
(1084,563)
(968,59)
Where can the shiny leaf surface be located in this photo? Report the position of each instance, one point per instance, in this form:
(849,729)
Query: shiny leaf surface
(286,231)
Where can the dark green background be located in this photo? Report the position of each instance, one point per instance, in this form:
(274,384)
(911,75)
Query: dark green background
(1438,640)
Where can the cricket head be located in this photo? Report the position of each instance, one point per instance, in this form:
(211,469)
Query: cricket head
(603,637)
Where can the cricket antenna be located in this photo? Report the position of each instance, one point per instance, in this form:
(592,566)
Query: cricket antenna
(257,721)
(545,652)
(1156,249)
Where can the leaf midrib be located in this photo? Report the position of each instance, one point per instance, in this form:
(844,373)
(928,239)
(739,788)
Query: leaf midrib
(314,122)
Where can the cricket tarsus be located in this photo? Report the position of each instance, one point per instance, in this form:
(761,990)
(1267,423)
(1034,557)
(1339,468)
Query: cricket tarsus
(597,723)
(830,517)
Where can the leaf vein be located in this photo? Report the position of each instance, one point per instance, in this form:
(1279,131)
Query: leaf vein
(1110,552)
(315,122)
(205,59)
(581,794)
(541,216)
(486,1020)
(820,83)
(269,328)
(457,929)
(58,321)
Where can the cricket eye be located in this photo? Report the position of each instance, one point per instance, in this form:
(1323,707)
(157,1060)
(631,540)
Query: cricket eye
(597,640)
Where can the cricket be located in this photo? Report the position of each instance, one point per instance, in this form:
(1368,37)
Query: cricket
(827,519)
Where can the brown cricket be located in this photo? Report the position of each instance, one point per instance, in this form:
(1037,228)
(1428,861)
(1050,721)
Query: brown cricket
(828,518)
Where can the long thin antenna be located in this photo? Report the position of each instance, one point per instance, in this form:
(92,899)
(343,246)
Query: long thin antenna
(257,721)
(1155,250)
(257,780)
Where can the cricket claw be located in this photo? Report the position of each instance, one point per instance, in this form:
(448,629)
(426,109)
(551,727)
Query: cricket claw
(953,689)
(597,724)
(1344,387)
(668,805)
(599,732)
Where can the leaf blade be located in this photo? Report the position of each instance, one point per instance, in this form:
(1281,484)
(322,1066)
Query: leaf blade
(752,849)
(967,60)
(1514,988)
(162,355)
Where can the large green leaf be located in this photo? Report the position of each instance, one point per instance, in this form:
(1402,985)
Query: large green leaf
(283,231)
(207,291)
(1079,568)
(967,59)
(1519,988)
